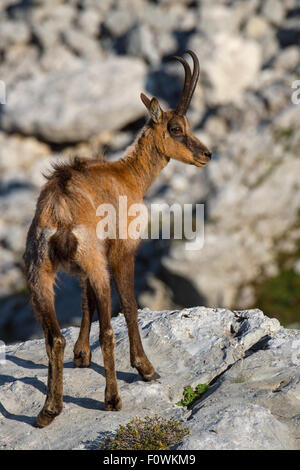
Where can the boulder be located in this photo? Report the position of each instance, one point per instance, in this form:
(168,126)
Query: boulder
(119,22)
(231,65)
(48,23)
(13,32)
(249,360)
(274,11)
(17,152)
(73,105)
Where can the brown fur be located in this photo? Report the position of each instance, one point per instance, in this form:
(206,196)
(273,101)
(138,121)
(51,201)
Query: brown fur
(63,234)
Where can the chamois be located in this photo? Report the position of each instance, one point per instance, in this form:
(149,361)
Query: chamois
(63,235)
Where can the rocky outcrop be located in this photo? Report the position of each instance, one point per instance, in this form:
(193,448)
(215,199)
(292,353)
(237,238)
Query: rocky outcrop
(251,363)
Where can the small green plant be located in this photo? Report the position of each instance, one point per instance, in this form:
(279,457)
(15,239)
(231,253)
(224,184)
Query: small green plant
(190,395)
(239,379)
(150,433)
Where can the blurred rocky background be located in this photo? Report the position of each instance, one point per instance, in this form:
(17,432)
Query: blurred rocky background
(73,71)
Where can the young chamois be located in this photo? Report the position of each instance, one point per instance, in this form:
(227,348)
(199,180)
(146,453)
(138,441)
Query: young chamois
(63,235)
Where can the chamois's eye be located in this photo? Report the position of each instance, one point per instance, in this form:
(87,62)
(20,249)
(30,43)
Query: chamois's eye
(177,130)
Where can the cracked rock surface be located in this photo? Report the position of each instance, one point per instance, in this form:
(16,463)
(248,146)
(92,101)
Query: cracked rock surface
(250,361)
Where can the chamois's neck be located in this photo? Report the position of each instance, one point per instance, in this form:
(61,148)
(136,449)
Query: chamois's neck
(143,161)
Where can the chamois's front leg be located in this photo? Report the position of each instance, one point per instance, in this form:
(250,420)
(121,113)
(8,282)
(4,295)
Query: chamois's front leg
(82,350)
(123,274)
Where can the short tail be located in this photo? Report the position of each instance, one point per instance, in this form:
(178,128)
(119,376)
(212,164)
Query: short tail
(62,245)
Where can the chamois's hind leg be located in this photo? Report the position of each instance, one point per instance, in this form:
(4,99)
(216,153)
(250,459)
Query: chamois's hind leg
(82,350)
(41,291)
(123,273)
(95,267)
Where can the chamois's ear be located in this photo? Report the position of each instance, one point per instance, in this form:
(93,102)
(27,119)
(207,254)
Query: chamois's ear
(145,100)
(153,107)
(155,111)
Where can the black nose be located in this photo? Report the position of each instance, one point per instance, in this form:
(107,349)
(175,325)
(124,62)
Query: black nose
(208,153)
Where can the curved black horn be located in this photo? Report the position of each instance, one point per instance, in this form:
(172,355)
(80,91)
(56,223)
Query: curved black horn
(182,105)
(189,83)
(195,76)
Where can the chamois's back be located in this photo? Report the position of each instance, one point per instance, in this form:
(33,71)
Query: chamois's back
(62,194)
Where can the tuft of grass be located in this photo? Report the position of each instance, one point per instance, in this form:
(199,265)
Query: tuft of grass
(191,395)
(150,433)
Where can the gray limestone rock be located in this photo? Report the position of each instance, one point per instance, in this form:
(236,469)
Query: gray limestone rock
(73,105)
(251,363)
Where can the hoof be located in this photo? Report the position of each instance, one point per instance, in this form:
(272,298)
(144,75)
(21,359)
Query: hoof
(114,404)
(149,378)
(146,371)
(82,359)
(44,418)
